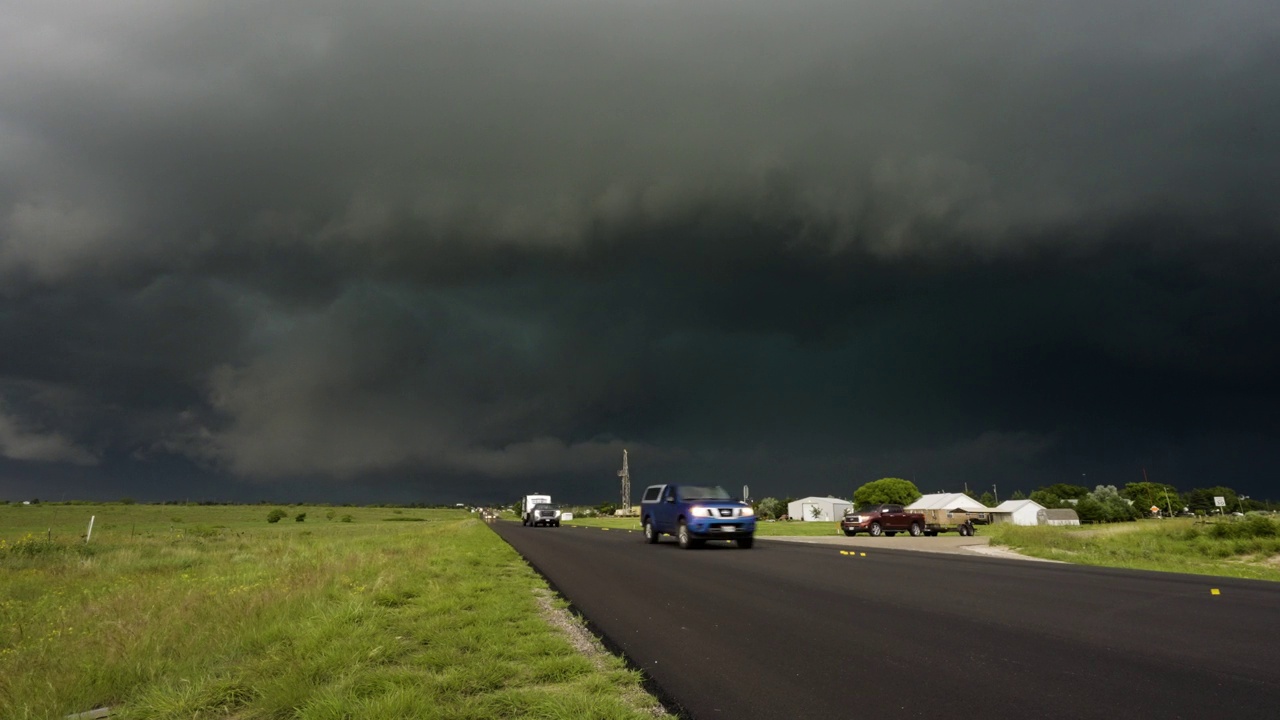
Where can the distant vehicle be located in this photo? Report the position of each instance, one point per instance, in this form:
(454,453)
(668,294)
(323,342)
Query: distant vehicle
(695,514)
(526,509)
(877,520)
(545,514)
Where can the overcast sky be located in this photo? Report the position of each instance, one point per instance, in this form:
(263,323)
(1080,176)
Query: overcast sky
(446,251)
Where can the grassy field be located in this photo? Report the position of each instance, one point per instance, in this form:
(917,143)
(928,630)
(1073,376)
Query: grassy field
(763,529)
(1242,548)
(211,612)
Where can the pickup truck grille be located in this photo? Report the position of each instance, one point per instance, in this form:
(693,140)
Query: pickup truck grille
(725,512)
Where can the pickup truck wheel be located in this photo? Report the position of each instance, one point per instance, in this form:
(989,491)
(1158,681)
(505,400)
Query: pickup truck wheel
(916,530)
(875,529)
(683,536)
(650,535)
(746,542)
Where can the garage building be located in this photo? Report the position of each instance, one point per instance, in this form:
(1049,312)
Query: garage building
(1061,517)
(1018,512)
(817,509)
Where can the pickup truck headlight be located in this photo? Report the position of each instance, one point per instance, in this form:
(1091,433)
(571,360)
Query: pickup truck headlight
(699,511)
(746,512)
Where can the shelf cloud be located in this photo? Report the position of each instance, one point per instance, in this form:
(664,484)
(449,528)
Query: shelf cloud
(436,249)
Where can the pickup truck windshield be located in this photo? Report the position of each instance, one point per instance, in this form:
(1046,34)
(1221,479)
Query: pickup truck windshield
(869,508)
(693,492)
(546,506)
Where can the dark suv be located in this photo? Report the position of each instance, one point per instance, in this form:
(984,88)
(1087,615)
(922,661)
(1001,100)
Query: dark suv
(695,514)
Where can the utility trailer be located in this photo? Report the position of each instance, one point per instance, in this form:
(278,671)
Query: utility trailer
(960,521)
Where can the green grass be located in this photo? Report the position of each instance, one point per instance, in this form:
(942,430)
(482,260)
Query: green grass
(211,612)
(763,529)
(1247,548)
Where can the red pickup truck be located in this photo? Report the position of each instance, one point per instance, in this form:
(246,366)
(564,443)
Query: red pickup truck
(877,520)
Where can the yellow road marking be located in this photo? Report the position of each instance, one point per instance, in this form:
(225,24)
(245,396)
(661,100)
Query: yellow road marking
(863,554)
(1215,591)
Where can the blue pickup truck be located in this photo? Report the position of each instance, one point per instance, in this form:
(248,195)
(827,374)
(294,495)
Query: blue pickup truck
(695,514)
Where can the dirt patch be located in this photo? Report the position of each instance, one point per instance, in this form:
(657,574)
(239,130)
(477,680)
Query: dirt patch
(1004,552)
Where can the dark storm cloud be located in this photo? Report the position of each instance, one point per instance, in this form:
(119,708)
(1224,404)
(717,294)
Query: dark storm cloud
(483,241)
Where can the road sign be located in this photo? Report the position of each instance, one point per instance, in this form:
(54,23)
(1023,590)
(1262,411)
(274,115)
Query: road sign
(1219,501)
(1155,509)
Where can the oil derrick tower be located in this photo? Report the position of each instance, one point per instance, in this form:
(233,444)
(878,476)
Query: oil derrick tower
(625,474)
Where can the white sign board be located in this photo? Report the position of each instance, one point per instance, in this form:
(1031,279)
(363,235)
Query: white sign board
(1219,501)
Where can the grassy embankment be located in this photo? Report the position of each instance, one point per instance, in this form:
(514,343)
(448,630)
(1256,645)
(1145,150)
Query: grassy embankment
(1248,548)
(763,529)
(211,612)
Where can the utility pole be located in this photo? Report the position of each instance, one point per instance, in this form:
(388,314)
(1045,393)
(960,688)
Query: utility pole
(996,492)
(625,474)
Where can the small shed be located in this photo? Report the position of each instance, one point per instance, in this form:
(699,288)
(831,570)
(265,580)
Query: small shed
(947,501)
(1060,517)
(1017,512)
(818,509)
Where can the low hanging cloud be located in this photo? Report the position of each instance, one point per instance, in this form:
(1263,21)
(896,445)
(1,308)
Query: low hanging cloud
(33,445)
(475,239)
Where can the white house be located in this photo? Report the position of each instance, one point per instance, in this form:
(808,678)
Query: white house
(947,501)
(1018,512)
(818,509)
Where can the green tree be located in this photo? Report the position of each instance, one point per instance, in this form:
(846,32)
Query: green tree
(300,517)
(1146,494)
(1017,495)
(886,490)
(1201,499)
(770,508)
(1047,499)
(987,499)
(1115,508)
(786,505)
(1065,491)
(276,515)
(1090,510)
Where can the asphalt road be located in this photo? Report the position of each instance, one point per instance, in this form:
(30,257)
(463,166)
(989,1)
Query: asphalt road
(795,631)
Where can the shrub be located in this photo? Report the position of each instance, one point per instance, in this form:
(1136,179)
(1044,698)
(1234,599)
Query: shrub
(330,514)
(300,517)
(1250,527)
(348,518)
(276,515)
